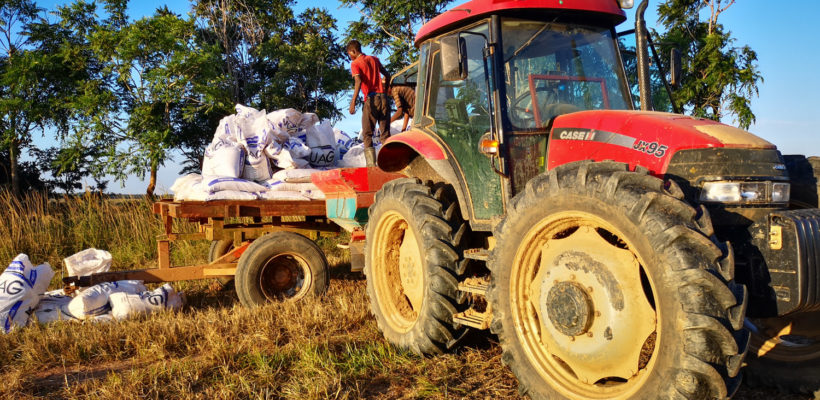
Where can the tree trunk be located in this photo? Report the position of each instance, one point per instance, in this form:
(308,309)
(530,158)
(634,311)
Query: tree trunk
(152,181)
(14,150)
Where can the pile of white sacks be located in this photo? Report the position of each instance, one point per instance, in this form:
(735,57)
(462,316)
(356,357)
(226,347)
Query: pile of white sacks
(24,299)
(258,155)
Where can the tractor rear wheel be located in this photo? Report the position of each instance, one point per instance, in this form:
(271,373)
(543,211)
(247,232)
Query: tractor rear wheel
(604,285)
(410,265)
(281,266)
(785,353)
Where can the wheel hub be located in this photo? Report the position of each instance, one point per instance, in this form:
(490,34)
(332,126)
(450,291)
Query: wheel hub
(410,269)
(591,308)
(569,308)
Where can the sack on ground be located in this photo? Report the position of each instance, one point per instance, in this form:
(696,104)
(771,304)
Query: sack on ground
(223,158)
(87,262)
(124,305)
(21,286)
(53,308)
(93,300)
(217,184)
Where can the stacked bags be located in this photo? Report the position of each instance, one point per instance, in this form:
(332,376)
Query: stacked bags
(23,294)
(250,145)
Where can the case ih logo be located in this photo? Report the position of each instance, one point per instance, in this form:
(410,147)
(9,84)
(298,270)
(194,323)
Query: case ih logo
(568,134)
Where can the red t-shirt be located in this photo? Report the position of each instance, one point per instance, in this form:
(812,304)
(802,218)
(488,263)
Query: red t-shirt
(368,67)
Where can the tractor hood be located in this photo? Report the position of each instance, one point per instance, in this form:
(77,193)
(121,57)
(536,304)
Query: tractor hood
(640,137)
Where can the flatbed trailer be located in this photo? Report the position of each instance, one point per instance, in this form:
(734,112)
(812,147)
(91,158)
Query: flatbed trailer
(267,245)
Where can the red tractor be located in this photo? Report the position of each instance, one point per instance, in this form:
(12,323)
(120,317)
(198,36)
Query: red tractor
(616,253)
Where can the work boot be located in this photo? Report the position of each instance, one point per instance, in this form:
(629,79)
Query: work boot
(370,156)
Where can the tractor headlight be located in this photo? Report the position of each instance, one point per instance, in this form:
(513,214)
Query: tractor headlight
(745,192)
(627,3)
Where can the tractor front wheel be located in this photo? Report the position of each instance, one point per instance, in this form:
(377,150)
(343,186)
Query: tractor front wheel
(604,285)
(410,265)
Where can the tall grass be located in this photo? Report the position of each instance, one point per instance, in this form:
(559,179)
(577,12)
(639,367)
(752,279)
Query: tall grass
(50,229)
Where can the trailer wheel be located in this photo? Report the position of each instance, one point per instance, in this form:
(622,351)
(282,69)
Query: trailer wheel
(410,265)
(218,249)
(785,353)
(603,285)
(281,266)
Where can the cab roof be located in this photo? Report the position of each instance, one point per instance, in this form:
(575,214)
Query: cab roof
(477,9)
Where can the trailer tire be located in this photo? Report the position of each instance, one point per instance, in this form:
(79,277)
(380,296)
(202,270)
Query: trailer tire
(597,268)
(410,265)
(281,266)
(218,249)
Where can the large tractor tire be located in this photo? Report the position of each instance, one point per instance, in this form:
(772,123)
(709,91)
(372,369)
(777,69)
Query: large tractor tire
(785,353)
(410,265)
(281,266)
(606,284)
(218,249)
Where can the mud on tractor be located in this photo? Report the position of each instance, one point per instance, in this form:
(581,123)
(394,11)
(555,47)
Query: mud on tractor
(616,253)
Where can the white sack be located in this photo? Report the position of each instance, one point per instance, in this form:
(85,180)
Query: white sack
(354,158)
(308,120)
(124,305)
(285,121)
(186,187)
(21,286)
(323,156)
(257,169)
(87,262)
(273,149)
(223,158)
(295,175)
(283,195)
(297,148)
(231,195)
(313,194)
(53,308)
(286,160)
(343,142)
(320,135)
(228,130)
(217,184)
(93,300)
(245,119)
(395,126)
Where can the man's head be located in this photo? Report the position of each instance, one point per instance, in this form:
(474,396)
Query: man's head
(354,49)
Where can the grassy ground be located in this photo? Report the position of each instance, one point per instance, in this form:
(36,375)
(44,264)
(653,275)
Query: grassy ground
(214,348)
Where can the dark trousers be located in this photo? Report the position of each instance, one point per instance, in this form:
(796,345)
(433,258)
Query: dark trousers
(376,110)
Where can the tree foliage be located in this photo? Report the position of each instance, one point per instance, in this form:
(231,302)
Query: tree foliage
(719,79)
(390,26)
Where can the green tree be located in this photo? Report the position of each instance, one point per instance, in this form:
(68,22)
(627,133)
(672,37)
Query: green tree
(150,62)
(391,26)
(21,98)
(719,80)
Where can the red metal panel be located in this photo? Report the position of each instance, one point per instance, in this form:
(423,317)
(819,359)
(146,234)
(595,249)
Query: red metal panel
(350,182)
(417,140)
(476,9)
(672,131)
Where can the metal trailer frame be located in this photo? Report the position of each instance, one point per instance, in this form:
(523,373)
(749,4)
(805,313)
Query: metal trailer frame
(211,219)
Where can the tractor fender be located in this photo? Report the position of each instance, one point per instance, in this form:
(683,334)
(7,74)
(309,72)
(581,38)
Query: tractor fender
(418,155)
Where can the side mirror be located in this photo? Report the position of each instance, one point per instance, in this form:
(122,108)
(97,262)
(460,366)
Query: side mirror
(453,58)
(675,68)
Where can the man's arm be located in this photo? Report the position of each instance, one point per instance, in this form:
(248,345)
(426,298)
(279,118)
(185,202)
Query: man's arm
(406,120)
(356,87)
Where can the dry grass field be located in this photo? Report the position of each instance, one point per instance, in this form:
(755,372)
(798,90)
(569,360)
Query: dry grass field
(214,348)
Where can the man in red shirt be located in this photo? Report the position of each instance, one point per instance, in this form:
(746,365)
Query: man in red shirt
(376,105)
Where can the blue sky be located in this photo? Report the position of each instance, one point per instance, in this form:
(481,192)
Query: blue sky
(782,33)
